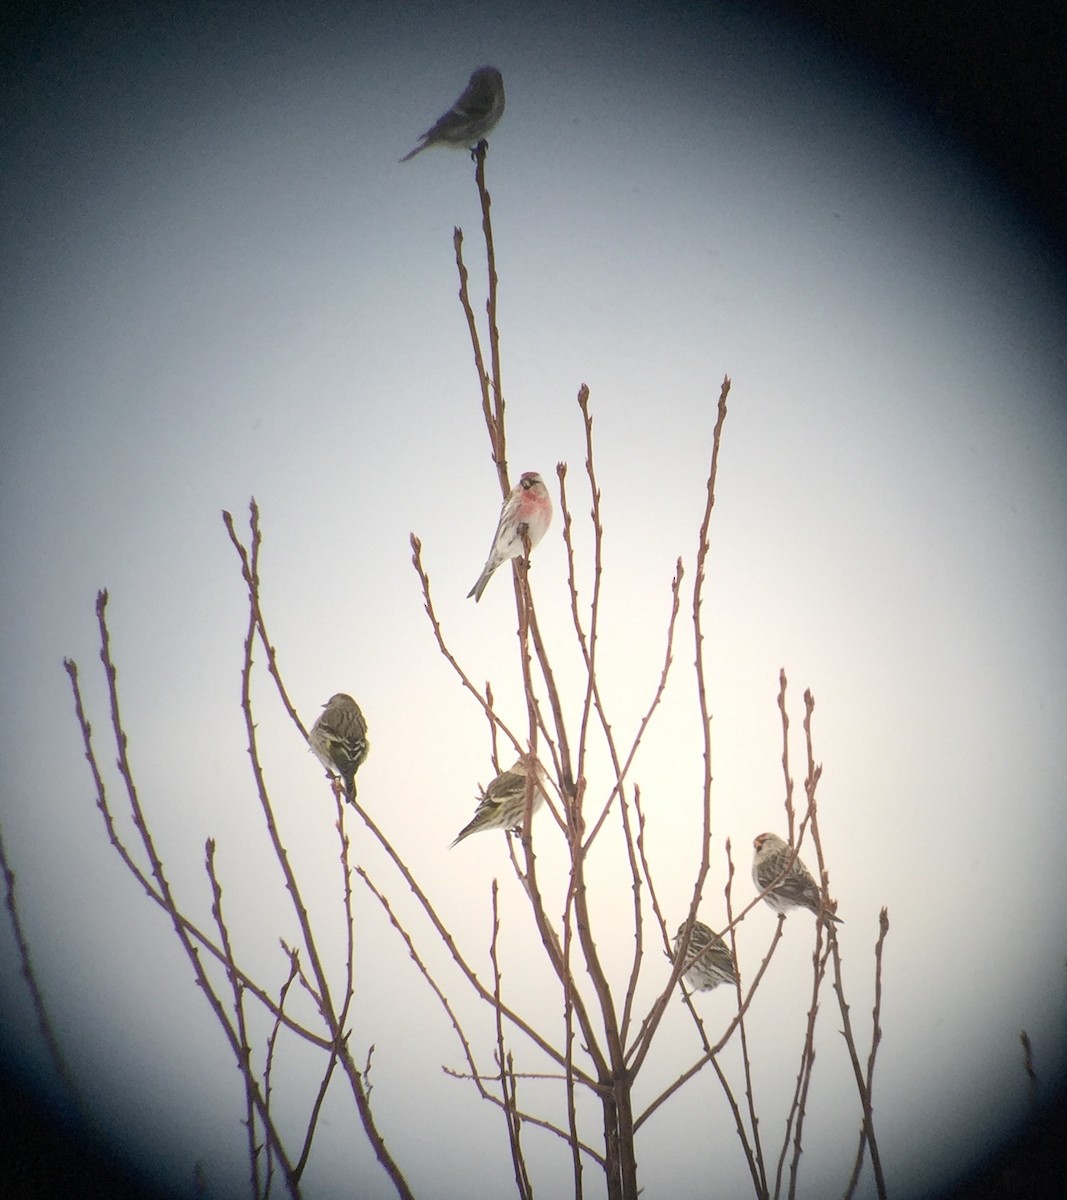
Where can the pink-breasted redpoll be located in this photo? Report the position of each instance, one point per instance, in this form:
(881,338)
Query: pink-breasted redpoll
(471,118)
(527,509)
(503,803)
(339,740)
(789,888)
(708,961)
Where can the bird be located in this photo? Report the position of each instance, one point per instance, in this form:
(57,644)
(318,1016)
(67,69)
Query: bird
(339,740)
(792,888)
(527,509)
(471,118)
(708,960)
(503,803)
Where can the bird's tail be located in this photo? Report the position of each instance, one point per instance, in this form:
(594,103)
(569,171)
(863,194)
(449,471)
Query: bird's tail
(466,831)
(480,586)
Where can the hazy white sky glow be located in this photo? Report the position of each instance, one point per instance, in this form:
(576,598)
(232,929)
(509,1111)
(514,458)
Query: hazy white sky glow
(221,283)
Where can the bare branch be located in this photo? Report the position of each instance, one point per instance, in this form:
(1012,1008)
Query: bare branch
(483,703)
(250,572)
(503,1058)
(44,1023)
(464,1041)
(862,1084)
(450,944)
(250,566)
(160,890)
(490,310)
(194,932)
(495,427)
(756,1161)
(876,1039)
(655,1015)
(244,1061)
(711,1051)
(1028,1054)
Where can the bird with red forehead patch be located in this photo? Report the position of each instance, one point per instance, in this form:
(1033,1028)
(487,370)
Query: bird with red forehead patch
(785,886)
(527,510)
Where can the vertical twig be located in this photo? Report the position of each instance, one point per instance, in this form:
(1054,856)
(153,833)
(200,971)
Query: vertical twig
(876,1040)
(568,1032)
(244,1062)
(161,890)
(250,569)
(508,1105)
(863,1086)
(798,1109)
(861,1083)
(490,311)
(789,815)
(44,1023)
(333,1060)
(494,421)
(757,1163)
(1028,1061)
(195,933)
(659,1007)
(268,1064)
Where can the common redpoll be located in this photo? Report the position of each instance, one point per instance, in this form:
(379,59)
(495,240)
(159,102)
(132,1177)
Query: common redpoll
(472,116)
(503,803)
(708,961)
(339,740)
(527,509)
(792,888)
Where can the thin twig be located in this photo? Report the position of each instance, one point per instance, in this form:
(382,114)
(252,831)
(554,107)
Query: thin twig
(507,1078)
(757,1162)
(450,944)
(250,565)
(863,1086)
(333,1060)
(161,888)
(268,1064)
(568,1033)
(490,311)
(244,1062)
(44,1022)
(496,447)
(794,1125)
(435,987)
(250,573)
(876,1040)
(484,704)
(194,932)
(752,1151)
(1028,1061)
(711,1051)
(655,1015)
(782,685)
(474,1074)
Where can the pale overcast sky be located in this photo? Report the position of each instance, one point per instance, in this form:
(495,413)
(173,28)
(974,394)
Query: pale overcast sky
(221,283)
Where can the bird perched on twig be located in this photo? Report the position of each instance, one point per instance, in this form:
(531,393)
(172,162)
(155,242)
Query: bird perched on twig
(471,118)
(339,740)
(708,961)
(792,888)
(528,509)
(502,804)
